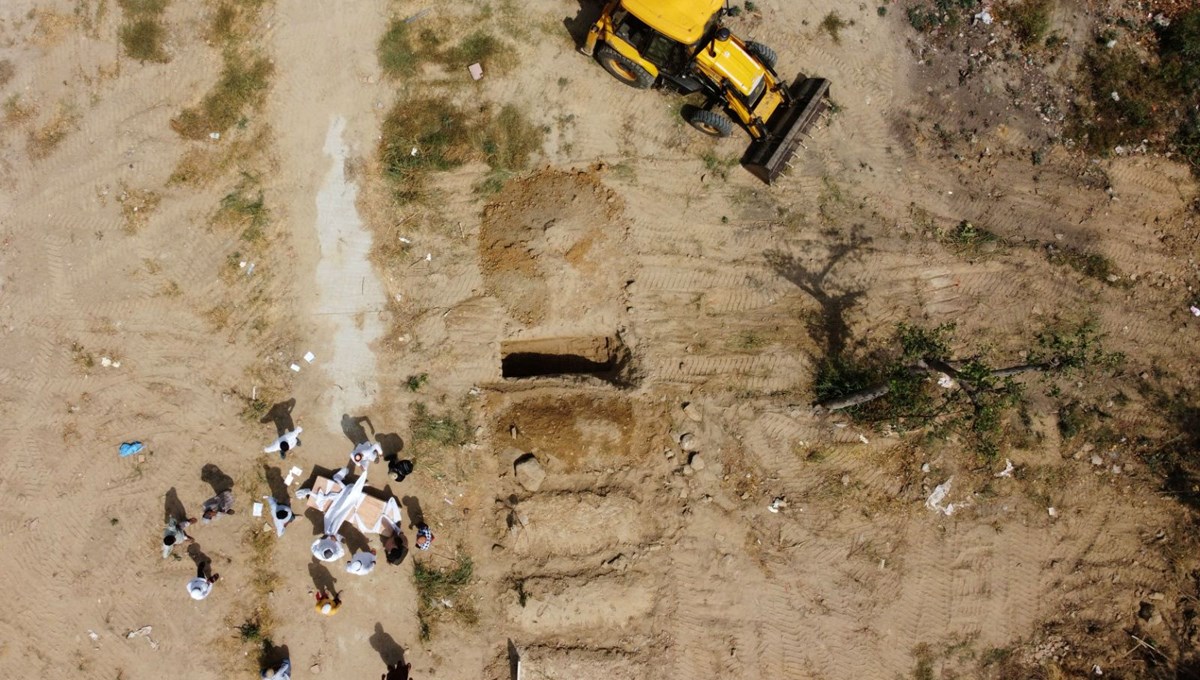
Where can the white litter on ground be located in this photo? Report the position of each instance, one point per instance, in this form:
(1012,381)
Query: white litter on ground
(295,367)
(934,502)
(1008,469)
(309,356)
(257,510)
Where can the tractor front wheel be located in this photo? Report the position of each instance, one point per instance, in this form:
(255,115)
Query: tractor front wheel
(710,123)
(624,69)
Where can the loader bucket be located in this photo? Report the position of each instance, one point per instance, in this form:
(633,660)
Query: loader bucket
(767,157)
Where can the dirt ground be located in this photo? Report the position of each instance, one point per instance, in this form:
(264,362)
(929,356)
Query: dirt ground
(139,301)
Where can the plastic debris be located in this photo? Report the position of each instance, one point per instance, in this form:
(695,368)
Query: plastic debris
(934,502)
(476,71)
(1052,512)
(863,438)
(295,367)
(130,448)
(778,504)
(309,356)
(984,17)
(256,509)
(946,381)
(1008,469)
(214,135)
(1115,97)
(1195,310)
(250,269)
(92,634)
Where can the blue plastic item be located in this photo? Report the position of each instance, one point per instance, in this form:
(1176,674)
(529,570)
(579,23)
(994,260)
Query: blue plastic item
(130,448)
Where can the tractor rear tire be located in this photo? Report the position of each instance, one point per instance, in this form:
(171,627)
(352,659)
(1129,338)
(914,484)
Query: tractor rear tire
(710,123)
(624,69)
(764,54)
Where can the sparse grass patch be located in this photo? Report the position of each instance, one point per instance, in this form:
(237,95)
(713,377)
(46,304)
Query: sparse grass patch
(439,592)
(966,238)
(246,208)
(201,165)
(143,39)
(242,85)
(142,34)
(433,134)
(1091,264)
(45,139)
(1029,19)
(7,71)
(397,57)
(136,207)
(509,139)
(833,24)
(17,111)
(933,15)
(82,357)
(478,47)
(430,432)
(416,382)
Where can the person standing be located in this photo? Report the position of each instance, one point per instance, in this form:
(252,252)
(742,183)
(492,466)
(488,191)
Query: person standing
(201,586)
(221,503)
(395,545)
(327,604)
(287,441)
(424,537)
(175,534)
(364,453)
(362,563)
(281,515)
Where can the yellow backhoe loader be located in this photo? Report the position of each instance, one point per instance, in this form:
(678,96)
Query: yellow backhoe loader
(681,44)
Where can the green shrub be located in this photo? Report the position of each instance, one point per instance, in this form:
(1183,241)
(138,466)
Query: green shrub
(478,47)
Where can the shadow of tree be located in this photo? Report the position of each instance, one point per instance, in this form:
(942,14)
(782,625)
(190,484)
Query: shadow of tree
(829,328)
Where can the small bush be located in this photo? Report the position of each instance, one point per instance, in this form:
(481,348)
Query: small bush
(833,24)
(242,84)
(397,57)
(142,34)
(143,40)
(1090,264)
(1030,20)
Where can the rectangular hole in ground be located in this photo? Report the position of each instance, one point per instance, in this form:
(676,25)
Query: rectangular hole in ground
(592,355)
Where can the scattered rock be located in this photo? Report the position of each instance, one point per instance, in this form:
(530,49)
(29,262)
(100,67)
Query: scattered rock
(692,412)
(696,461)
(688,442)
(529,472)
(315,669)
(1097,460)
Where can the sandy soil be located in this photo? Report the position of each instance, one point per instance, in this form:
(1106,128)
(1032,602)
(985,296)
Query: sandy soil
(630,240)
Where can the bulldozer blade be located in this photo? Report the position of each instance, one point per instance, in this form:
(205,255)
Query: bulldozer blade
(768,156)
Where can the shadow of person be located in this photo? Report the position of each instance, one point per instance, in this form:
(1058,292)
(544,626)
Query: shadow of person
(578,26)
(279,490)
(355,540)
(391,443)
(413,507)
(203,562)
(281,415)
(353,428)
(173,507)
(387,647)
(317,518)
(322,578)
(271,656)
(214,477)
